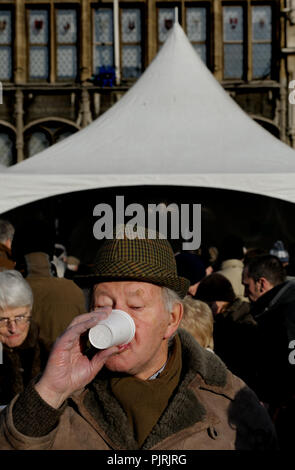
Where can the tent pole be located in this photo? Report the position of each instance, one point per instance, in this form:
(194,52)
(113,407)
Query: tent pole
(117,41)
(176,15)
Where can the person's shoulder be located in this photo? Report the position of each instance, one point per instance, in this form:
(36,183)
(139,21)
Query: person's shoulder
(198,362)
(63,283)
(283,297)
(208,368)
(246,411)
(231,264)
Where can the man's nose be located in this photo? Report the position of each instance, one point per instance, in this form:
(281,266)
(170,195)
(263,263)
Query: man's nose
(118,306)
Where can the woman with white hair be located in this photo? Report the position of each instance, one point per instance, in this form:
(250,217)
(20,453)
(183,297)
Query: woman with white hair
(24,353)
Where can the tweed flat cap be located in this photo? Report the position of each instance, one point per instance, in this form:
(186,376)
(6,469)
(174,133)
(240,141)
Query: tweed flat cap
(144,258)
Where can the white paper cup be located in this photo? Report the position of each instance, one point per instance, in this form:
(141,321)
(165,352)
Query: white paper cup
(118,328)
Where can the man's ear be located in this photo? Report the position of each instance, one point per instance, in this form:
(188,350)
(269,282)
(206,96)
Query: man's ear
(174,319)
(264,285)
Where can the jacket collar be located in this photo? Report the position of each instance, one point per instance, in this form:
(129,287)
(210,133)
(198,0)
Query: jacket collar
(201,370)
(262,304)
(232,263)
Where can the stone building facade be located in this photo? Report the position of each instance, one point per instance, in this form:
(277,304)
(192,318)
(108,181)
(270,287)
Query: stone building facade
(63,63)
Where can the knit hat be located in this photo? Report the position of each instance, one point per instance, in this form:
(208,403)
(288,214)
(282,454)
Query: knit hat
(190,266)
(215,287)
(280,252)
(128,257)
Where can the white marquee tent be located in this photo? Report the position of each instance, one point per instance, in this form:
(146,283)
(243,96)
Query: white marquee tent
(175,126)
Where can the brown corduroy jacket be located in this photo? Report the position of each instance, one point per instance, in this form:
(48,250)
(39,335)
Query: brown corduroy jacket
(211,409)
(57,301)
(6,261)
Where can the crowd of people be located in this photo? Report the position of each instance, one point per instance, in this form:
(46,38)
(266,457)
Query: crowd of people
(209,366)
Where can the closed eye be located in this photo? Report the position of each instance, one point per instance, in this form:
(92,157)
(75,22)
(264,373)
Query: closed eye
(101,306)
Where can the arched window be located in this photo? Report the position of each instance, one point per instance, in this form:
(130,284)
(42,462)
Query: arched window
(37,142)
(6,149)
(40,136)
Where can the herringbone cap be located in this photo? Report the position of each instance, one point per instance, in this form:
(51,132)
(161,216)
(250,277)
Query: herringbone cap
(145,258)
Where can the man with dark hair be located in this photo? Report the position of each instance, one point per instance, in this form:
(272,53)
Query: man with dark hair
(273,308)
(262,274)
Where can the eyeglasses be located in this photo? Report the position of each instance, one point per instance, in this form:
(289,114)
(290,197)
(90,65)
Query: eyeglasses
(19,320)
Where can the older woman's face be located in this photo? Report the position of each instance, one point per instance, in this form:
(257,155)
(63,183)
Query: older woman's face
(14,325)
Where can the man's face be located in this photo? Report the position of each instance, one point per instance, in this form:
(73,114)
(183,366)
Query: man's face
(14,330)
(252,287)
(147,352)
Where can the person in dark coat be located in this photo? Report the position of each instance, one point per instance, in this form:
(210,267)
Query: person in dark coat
(273,308)
(234,326)
(24,353)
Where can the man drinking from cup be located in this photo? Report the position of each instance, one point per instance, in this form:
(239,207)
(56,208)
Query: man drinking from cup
(160,391)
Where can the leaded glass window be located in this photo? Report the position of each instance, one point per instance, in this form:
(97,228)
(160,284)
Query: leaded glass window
(166,18)
(6,149)
(233,38)
(103,32)
(196,29)
(38,44)
(131,37)
(37,142)
(261,41)
(5,45)
(66,38)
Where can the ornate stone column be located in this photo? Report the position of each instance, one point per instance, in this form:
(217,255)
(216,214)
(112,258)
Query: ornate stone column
(151,31)
(86,117)
(218,41)
(19,124)
(86,19)
(20,43)
(283,111)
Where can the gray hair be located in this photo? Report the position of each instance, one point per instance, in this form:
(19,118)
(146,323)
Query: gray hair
(6,231)
(14,290)
(170,298)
